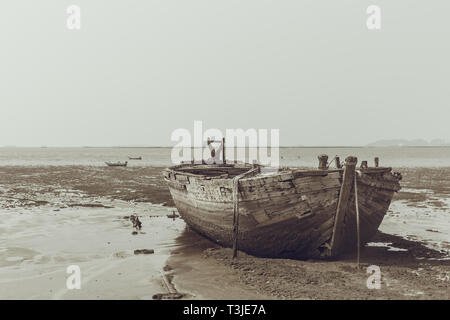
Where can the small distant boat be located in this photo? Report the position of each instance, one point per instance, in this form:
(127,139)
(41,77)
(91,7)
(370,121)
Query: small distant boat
(134,158)
(117,164)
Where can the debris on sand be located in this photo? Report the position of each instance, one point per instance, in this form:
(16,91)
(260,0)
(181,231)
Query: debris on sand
(167,296)
(136,222)
(167,268)
(144,251)
(173,215)
(89,205)
(121,254)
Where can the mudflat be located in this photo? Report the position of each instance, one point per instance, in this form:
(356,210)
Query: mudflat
(56,216)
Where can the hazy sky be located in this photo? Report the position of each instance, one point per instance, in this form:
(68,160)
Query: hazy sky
(138,69)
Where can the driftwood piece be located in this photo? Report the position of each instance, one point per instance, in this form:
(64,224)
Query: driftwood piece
(144,251)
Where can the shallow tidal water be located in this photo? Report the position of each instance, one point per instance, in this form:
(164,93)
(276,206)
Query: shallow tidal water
(38,245)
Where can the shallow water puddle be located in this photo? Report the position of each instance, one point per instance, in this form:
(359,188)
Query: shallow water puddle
(38,244)
(422,223)
(385,245)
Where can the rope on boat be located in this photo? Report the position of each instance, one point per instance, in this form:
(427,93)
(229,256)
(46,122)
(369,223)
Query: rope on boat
(235,215)
(331,161)
(357,222)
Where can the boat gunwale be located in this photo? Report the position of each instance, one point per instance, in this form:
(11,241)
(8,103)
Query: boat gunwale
(295,172)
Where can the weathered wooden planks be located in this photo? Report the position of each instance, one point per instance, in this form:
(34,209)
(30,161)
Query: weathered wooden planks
(291,213)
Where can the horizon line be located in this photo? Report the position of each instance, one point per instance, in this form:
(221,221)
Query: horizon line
(293,146)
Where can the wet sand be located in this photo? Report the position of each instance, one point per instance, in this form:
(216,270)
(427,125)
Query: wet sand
(62,215)
(418,273)
(54,217)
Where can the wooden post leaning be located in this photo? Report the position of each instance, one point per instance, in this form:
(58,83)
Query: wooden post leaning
(253,171)
(343,204)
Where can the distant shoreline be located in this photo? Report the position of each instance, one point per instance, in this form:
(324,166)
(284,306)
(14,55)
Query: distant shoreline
(169,147)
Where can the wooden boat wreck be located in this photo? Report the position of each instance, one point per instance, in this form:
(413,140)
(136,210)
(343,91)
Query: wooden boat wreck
(117,164)
(292,213)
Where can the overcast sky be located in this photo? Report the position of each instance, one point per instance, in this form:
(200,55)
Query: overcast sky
(139,69)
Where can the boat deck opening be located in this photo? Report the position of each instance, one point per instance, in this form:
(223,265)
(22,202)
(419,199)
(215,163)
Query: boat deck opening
(213,171)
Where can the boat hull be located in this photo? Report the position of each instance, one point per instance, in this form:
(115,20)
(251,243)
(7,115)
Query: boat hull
(290,214)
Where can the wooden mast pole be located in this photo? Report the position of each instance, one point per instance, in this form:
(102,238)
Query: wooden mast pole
(342,207)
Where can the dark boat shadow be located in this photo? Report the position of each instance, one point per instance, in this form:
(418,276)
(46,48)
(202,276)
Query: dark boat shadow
(412,254)
(190,242)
